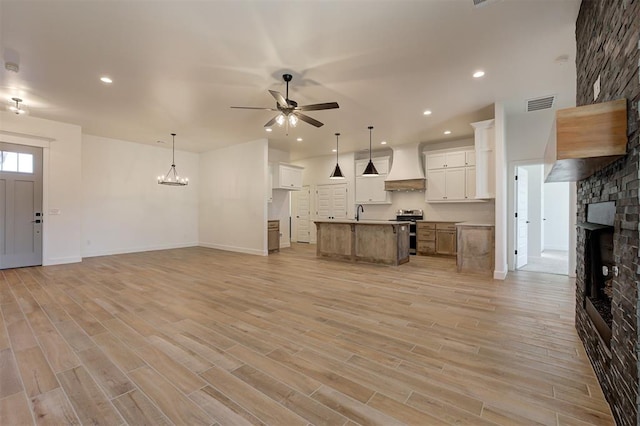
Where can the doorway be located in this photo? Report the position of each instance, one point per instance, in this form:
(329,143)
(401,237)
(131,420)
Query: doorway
(542,215)
(20,206)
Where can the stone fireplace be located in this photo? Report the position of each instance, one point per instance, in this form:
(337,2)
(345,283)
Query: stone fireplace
(607,306)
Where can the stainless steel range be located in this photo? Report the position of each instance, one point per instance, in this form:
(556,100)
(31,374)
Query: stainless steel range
(411,216)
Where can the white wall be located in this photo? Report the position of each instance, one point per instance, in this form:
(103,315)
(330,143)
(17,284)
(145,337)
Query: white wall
(61,142)
(278,208)
(501,141)
(124,208)
(233,198)
(556,213)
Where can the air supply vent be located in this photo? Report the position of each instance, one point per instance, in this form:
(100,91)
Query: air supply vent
(538,104)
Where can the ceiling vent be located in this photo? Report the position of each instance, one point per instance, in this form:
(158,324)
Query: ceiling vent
(480,3)
(538,104)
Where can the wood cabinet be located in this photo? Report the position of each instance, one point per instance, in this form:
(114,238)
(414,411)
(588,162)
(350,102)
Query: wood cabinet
(476,247)
(287,176)
(273,235)
(426,238)
(436,238)
(451,176)
(371,189)
(484,159)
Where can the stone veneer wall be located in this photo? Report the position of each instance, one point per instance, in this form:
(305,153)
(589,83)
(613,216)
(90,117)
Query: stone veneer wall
(608,44)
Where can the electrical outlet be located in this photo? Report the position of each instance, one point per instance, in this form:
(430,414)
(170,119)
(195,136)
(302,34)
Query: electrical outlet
(596,88)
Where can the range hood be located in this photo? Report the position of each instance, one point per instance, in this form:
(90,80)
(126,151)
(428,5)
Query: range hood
(406,170)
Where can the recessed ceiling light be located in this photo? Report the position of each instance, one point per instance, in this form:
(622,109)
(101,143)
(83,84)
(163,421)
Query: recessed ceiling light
(427,112)
(447,132)
(383,143)
(334,150)
(299,139)
(269,129)
(106,80)
(159,141)
(478,74)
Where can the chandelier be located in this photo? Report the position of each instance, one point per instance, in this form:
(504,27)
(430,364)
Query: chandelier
(172,178)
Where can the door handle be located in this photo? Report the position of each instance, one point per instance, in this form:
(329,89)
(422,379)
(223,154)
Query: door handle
(36,221)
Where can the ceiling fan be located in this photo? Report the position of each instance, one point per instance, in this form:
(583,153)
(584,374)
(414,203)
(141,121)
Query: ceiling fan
(289,109)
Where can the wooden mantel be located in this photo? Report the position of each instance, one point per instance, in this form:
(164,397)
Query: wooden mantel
(586,139)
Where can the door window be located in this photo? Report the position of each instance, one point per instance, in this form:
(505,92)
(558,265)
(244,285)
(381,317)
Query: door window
(19,162)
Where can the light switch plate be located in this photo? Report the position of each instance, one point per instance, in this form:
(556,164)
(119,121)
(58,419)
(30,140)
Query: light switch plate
(596,88)
(54,212)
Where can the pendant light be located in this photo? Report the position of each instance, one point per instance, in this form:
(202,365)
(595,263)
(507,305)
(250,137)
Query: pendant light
(172,178)
(370,170)
(337,173)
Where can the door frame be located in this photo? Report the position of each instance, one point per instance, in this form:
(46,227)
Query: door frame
(518,182)
(511,223)
(45,144)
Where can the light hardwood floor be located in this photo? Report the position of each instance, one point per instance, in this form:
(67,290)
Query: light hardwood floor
(199,336)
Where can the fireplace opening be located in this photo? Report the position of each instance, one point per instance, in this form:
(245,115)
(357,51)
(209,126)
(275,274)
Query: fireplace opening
(599,266)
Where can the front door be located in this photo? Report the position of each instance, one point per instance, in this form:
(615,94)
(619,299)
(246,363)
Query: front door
(20,206)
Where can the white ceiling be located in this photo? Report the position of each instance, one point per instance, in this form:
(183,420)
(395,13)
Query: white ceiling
(178,66)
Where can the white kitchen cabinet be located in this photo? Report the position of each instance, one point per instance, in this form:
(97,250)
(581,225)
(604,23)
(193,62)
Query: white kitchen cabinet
(484,135)
(287,176)
(445,160)
(456,181)
(370,189)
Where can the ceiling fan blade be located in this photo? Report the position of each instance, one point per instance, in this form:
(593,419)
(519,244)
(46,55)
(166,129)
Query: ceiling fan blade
(308,119)
(279,98)
(265,109)
(271,122)
(316,107)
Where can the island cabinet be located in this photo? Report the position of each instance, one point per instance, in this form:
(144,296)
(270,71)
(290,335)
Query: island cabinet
(436,238)
(476,247)
(363,241)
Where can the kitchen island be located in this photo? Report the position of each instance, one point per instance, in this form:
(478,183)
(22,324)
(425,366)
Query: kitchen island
(374,241)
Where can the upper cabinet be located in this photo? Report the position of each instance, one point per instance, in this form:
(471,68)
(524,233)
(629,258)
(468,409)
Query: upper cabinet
(451,176)
(586,139)
(484,160)
(287,176)
(371,189)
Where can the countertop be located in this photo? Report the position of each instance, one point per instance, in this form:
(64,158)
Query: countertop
(364,222)
(475,224)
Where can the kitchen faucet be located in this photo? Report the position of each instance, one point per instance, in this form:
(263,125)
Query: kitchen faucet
(358,211)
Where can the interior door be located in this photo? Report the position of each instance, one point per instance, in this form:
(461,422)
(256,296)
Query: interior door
(522,216)
(20,206)
(339,201)
(323,202)
(303,210)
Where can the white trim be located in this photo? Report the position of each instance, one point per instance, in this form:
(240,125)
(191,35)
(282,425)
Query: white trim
(500,275)
(234,249)
(139,249)
(25,139)
(61,261)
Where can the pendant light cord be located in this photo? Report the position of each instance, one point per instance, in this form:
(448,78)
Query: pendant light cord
(173,151)
(337,135)
(370,129)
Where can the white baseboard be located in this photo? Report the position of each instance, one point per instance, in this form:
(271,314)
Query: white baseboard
(499,275)
(234,249)
(558,248)
(61,260)
(138,249)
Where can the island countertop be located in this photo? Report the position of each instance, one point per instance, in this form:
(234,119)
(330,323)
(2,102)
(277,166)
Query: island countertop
(365,222)
(374,241)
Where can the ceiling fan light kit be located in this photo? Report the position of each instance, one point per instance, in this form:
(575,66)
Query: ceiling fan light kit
(337,173)
(172,178)
(289,111)
(370,170)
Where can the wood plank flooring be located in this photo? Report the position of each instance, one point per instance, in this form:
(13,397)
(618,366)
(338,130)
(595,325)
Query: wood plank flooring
(201,337)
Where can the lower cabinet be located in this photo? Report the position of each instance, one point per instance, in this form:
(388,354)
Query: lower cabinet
(436,238)
(273,234)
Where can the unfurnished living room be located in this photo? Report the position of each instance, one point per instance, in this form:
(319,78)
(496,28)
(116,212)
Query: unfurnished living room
(322,212)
